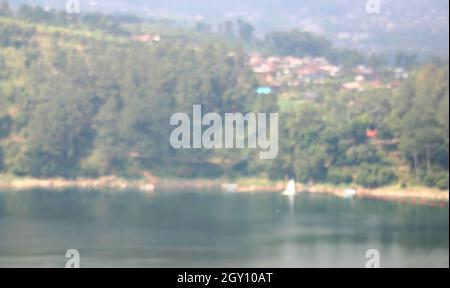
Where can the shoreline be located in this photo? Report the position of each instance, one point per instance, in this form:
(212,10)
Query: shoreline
(415,195)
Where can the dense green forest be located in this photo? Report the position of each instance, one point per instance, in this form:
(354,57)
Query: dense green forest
(79,98)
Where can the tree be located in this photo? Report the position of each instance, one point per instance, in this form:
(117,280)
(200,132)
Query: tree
(374,176)
(424,133)
(245,30)
(300,44)
(100,105)
(5,126)
(227,28)
(302,155)
(5,10)
(202,27)
(2,162)
(59,132)
(405,60)
(15,35)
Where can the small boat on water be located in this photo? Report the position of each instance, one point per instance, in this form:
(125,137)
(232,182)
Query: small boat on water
(291,189)
(230,187)
(350,193)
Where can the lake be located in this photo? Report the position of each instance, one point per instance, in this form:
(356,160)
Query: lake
(182,229)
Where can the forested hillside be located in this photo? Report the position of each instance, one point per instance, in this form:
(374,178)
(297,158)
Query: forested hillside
(82,102)
(416,26)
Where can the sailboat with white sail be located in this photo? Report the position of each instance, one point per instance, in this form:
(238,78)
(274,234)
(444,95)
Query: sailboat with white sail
(291,189)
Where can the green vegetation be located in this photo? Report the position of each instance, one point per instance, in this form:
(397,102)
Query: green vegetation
(422,114)
(81,103)
(301,44)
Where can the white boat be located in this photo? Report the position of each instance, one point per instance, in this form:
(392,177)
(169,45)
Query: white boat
(291,189)
(350,193)
(230,187)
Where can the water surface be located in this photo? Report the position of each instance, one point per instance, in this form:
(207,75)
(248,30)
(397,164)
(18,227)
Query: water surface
(179,229)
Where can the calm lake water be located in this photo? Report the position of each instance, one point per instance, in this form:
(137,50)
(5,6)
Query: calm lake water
(179,229)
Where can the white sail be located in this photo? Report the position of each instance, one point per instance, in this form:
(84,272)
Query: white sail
(290,189)
(350,193)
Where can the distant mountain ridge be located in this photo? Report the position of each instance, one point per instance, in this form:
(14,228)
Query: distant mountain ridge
(420,26)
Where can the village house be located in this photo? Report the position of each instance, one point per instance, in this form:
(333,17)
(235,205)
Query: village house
(291,71)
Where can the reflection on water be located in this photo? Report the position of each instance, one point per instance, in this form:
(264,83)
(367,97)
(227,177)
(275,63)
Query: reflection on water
(216,230)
